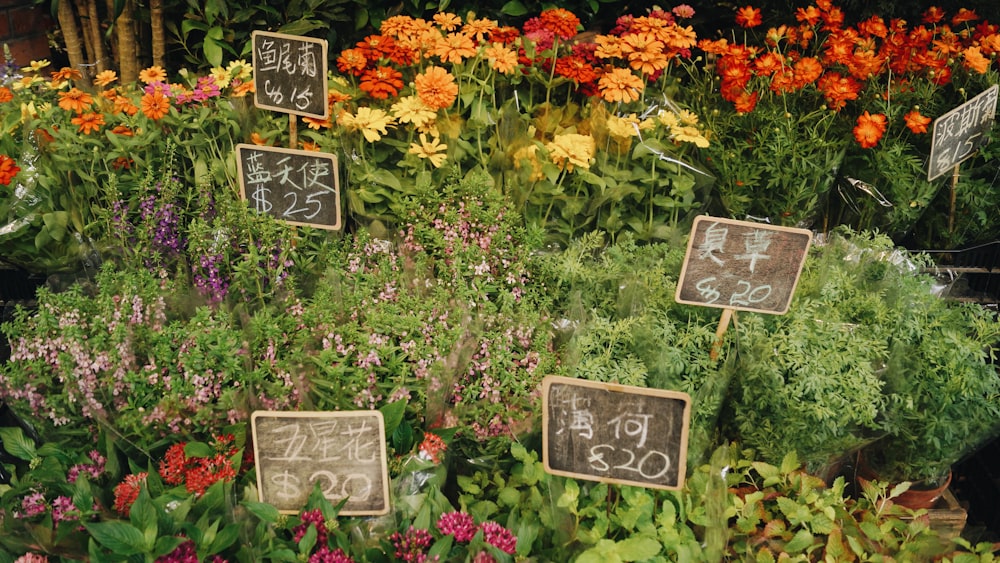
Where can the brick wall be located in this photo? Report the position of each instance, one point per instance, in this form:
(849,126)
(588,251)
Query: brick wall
(23,28)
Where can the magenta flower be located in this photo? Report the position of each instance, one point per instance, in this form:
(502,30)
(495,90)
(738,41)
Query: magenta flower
(458,524)
(499,537)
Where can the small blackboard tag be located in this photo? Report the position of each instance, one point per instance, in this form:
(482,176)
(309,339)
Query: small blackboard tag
(957,134)
(289,74)
(299,187)
(341,451)
(741,265)
(615,433)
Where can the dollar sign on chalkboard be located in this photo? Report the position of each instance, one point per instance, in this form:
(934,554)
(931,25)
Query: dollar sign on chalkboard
(259,197)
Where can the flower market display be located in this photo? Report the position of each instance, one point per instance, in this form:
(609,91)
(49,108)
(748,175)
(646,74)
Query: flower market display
(517,202)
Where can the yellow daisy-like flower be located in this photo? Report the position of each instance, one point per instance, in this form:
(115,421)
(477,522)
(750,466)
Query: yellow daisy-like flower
(625,127)
(373,123)
(669,119)
(411,109)
(240,70)
(433,150)
(572,149)
(26,81)
(38,65)
(529,154)
(688,117)
(221,76)
(689,134)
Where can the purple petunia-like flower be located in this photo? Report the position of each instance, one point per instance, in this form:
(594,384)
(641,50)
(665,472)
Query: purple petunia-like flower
(458,524)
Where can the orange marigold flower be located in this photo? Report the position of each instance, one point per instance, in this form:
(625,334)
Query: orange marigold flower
(810,15)
(964,15)
(748,16)
(105,77)
(833,19)
(768,64)
(620,85)
(560,21)
(932,15)
(746,102)
(644,53)
(75,100)
(66,73)
(974,60)
(436,87)
(381,82)
(8,169)
(153,74)
(807,70)
(869,129)
(838,89)
(875,26)
(154,105)
(5,94)
(916,122)
(352,61)
(88,122)
(454,48)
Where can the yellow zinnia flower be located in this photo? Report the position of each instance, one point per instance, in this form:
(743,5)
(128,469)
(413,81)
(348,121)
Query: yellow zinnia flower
(433,150)
(373,123)
(572,149)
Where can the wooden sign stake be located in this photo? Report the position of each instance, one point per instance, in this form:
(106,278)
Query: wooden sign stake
(720,333)
(954,187)
(293,131)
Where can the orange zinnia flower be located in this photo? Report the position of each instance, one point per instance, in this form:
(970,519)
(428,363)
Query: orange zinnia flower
(644,53)
(916,122)
(5,94)
(480,28)
(576,68)
(352,61)
(748,16)
(447,21)
(436,87)
(105,77)
(869,129)
(124,105)
(75,100)
(454,48)
(88,122)
(502,59)
(66,73)
(8,169)
(154,105)
(381,82)
(620,85)
(153,74)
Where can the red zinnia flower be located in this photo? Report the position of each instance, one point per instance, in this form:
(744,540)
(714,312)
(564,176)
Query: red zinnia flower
(869,129)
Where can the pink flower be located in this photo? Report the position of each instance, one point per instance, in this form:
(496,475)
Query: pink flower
(458,524)
(683,11)
(34,505)
(32,558)
(499,537)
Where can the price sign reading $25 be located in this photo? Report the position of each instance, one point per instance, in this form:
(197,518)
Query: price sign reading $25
(340,452)
(298,187)
(741,265)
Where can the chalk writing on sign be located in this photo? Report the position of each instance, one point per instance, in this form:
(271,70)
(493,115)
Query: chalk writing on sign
(290,74)
(300,187)
(957,134)
(614,433)
(741,265)
(342,453)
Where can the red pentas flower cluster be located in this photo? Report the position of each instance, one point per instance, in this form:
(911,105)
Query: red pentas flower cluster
(838,61)
(199,473)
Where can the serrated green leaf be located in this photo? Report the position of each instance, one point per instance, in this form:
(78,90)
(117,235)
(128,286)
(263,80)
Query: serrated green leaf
(637,548)
(800,542)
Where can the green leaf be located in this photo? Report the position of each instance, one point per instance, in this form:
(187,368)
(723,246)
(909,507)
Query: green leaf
(166,544)
(386,178)
(802,540)
(514,8)
(225,538)
(392,415)
(142,514)
(637,548)
(265,512)
(17,444)
(119,537)
(308,540)
(198,449)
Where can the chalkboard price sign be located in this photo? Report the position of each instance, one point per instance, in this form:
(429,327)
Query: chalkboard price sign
(290,74)
(300,187)
(957,134)
(615,433)
(741,265)
(343,452)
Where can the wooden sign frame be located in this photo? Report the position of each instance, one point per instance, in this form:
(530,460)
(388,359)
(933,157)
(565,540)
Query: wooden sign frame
(267,67)
(627,461)
(971,130)
(288,469)
(306,188)
(768,257)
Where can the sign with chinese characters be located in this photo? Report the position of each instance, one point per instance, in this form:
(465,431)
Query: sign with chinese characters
(342,452)
(957,134)
(289,74)
(300,187)
(615,433)
(741,265)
